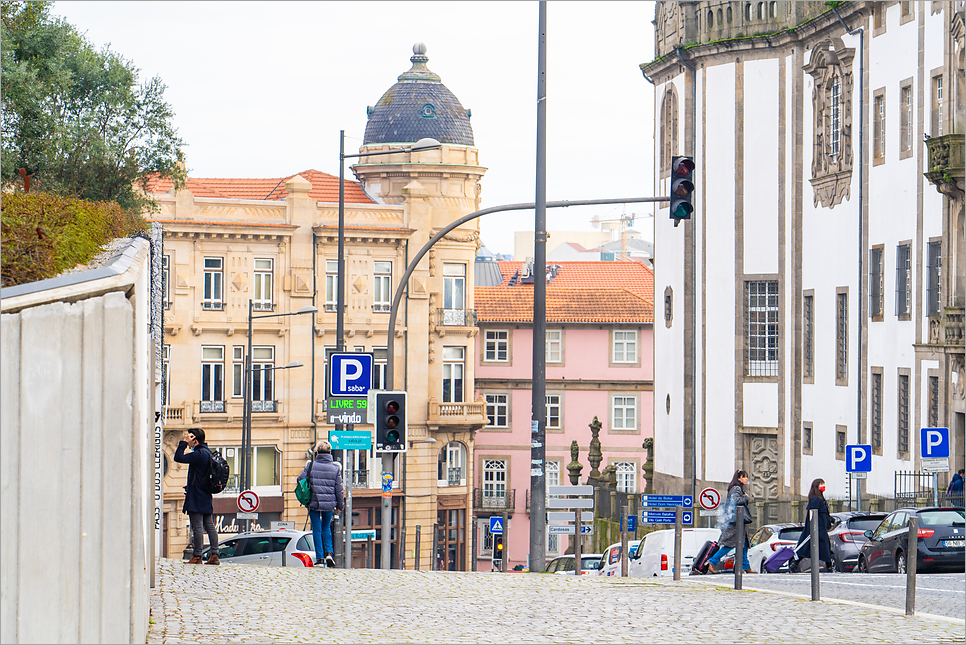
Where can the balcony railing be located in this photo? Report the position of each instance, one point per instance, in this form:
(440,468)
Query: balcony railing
(263,306)
(454,476)
(452,414)
(176,415)
(947,159)
(499,500)
(212,407)
(213,305)
(953,329)
(456,317)
(264,406)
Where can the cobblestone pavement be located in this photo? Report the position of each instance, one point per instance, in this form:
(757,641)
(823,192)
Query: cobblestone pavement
(251,604)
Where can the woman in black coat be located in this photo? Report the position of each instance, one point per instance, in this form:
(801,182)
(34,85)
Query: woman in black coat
(816,502)
(197,501)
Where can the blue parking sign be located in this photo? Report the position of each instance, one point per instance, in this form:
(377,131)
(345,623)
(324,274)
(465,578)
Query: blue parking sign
(350,374)
(934,442)
(858,458)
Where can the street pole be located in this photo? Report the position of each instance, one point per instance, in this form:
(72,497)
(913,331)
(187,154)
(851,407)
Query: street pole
(340,284)
(247,414)
(538,517)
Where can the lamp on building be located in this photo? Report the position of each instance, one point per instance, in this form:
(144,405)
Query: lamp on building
(246,448)
(420,146)
(426,440)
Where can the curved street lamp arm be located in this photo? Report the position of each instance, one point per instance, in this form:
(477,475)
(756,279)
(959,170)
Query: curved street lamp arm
(397,298)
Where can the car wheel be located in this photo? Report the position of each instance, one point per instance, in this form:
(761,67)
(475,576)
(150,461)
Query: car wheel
(862,566)
(761,567)
(837,566)
(901,563)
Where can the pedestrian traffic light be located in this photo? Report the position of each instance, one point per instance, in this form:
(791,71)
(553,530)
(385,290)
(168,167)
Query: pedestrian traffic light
(682,187)
(389,411)
(498,548)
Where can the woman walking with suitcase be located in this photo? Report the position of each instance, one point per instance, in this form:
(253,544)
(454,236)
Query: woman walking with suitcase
(816,502)
(728,521)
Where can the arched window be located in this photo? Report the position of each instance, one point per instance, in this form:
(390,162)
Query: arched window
(626,477)
(761,11)
(710,21)
(729,15)
(719,18)
(773,9)
(451,465)
(669,129)
(748,13)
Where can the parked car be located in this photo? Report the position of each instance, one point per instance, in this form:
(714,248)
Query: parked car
(655,555)
(589,563)
(610,561)
(768,539)
(941,544)
(847,536)
(280,548)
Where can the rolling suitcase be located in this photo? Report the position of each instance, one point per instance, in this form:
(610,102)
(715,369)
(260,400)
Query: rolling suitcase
(778,558)
(700,562)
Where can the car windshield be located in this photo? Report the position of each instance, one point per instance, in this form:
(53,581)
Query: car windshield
(941,518)
(790,535)
(865,523)
(588,562)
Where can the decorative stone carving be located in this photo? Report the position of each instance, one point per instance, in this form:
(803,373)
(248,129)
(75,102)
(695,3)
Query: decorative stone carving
(764,467)
(595,456)
(830,66)
(574,467)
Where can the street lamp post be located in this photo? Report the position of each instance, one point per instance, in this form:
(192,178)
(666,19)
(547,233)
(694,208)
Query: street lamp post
(245,478)
(420,146)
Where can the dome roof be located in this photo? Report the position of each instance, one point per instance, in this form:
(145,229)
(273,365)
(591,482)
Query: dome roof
(418,106)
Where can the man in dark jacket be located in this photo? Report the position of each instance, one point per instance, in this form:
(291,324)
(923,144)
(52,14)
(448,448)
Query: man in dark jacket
(954,493)
(325,482)
(197,501)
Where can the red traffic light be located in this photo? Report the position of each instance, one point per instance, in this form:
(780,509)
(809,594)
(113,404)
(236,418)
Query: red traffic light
(392,407)
(682,166)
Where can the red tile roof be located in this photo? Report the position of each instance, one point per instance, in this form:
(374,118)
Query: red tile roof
(325,188)
(581,292)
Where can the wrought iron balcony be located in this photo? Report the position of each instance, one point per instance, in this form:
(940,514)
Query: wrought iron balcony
(213,305)
(456,317)
(454,476)
(457,414)
(263,306)
(212,407)
(947,161)
(498,500)
(264,406)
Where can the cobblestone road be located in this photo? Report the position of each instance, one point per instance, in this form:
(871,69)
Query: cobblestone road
(250,604)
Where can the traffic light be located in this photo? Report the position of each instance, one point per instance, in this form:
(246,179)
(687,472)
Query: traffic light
(498,549)
(682,187)
(390,421)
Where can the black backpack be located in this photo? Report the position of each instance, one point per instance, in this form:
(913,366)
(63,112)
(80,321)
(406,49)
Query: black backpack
(215,480)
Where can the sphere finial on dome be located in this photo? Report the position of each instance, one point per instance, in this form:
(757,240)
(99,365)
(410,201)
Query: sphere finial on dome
(419,49)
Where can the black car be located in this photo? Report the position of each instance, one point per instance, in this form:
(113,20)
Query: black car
(847,536)
(941,541)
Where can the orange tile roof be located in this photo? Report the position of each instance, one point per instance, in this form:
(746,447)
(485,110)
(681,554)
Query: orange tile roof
(325,188)
(581,292)
(574,305)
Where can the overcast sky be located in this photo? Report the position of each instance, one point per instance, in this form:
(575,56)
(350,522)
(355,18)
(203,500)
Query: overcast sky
(262,89)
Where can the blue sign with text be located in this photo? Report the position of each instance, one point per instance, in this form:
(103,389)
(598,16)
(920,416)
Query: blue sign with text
(934,442)
(666,501)
(350,374)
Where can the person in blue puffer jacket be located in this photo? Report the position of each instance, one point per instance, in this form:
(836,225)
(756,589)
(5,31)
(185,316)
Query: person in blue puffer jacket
(328,495)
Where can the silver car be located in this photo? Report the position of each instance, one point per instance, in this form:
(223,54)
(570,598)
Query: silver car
(279,548)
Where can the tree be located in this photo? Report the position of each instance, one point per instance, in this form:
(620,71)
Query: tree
(78,118)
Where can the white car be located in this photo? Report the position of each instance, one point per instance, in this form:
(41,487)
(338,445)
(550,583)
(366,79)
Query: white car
(610,561)
(279,548)
(655,556)
(769,539)
(564,565)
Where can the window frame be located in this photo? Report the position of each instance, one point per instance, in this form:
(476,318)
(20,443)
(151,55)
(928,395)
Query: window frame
(165,281)
(766,318)
(934,263)
(555,400)
(559,342)
(165,374)
(878,126)
(629,472)
(496,405)
(382,291)
(877,283)
(907,123)
(331,285)
(808,336)
(623,362)
(635,404)
(904,414)
(490,477)
(875,410)
(841,336)
(808,437)
(456,392)
(841,441)
(212,365)
(237,371)
(263,380)
(213,286)
(904,279)
(496,342)
(459,449)
(936,102)
(263,281)
(454,286)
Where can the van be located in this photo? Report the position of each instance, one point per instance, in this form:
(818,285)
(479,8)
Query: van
(610,561)
(655,557)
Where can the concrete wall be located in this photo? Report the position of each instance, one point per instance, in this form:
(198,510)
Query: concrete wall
(75,453)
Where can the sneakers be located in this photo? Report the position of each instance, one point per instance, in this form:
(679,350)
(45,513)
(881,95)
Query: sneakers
(320,562)
(213,559)
(329,560)
(194,560)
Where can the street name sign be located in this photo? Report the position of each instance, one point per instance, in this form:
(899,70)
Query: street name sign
(585,502)
(246,516)
(665,517)
(565,516)
(666,501)
(560,529)
(570,490)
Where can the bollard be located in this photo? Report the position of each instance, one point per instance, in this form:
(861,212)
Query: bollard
(416,567)
(678,535)
(401,549)
(370,551)
(577,541)
(739,546)
(623,542)
(434,565)
(506,543)
(814,564)
(912,557)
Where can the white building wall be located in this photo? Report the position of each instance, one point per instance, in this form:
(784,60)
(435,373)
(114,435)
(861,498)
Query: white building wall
(792,422)
(720,287)
(760,161)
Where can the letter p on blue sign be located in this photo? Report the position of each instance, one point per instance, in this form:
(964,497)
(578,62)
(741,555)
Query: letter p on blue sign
(858,458)
(350,374)
(934,442)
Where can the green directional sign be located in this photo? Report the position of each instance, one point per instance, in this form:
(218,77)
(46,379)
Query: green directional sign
(350,440)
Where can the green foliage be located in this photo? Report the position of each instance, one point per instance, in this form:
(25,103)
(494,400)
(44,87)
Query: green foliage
(78,118)
(44,234)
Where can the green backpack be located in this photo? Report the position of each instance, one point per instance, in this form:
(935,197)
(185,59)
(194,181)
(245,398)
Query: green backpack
(303,489)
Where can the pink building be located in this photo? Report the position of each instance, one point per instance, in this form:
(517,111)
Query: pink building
(600,319)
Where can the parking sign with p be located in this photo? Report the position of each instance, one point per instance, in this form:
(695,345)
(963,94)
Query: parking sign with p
(858,458)
(350,374)
(934,442)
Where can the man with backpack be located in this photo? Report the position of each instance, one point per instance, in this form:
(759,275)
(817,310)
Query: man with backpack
(197,498)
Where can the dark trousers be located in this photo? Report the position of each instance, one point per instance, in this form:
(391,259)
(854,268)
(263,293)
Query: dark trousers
(208,520)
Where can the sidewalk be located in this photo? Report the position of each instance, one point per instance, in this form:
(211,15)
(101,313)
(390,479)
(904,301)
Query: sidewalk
(250,604)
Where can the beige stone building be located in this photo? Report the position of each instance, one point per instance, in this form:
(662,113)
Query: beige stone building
(274,241)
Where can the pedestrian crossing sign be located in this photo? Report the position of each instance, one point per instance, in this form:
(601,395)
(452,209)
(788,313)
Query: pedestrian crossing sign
(496,525)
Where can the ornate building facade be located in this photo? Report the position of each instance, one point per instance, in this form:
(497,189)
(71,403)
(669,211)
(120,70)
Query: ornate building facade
(826,244)
(274,242)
